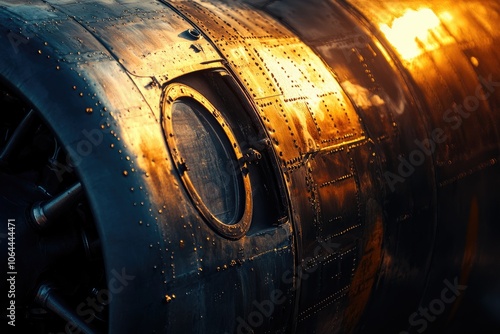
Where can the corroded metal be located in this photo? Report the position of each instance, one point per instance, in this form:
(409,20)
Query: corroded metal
(365,139)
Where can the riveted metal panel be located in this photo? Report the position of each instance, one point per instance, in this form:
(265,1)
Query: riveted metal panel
(340,198)
(338,194)
(308,116)
(280,66)
(148,39)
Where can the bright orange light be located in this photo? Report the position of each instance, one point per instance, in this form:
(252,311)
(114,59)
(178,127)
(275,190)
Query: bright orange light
(446,16)
(410,34)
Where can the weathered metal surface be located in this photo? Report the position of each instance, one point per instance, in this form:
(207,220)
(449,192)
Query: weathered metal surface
(365,135)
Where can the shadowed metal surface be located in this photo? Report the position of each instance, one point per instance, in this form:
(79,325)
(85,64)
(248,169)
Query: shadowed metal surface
(254,166)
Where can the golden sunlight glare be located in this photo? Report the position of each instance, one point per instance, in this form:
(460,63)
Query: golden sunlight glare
(410,34)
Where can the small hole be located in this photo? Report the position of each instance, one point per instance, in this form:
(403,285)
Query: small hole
(195,33)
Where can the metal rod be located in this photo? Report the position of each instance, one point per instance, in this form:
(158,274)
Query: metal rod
(48,297)
(43,213)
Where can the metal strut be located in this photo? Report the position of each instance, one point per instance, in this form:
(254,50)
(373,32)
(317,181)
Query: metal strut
(45,213)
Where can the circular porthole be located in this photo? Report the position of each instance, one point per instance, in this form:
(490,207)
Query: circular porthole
(208,159)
